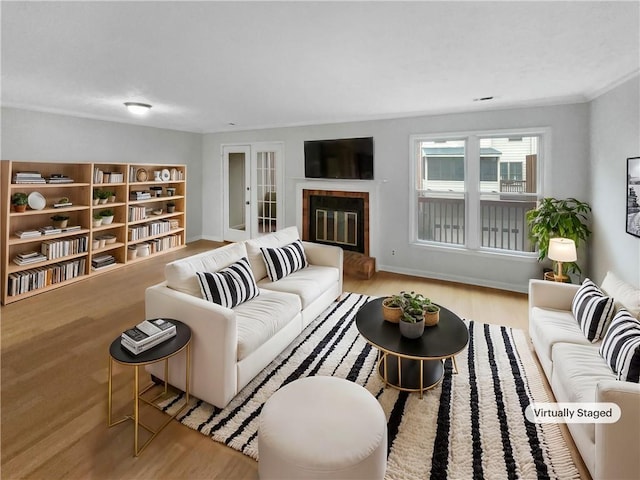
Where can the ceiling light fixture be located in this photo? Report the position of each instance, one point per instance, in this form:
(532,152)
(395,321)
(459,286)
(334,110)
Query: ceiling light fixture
(137,108)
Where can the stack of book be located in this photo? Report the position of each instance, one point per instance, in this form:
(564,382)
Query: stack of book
(140,195)
(28,177)
(101,261)
(59,178)
(28,258)
(28,233)
(147,335)
(49,230)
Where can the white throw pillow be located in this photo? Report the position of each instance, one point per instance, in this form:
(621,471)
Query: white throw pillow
(230,286)
(593,310)
(621,346)
(624,295)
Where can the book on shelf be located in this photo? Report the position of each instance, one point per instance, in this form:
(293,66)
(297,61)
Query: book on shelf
(27,258)
(28,233)
(28,177)
(71,228)
(49,230)
(60,205)
(147,334)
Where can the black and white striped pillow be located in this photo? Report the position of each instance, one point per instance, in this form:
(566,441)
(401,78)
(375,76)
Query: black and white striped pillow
(230,286)
(282,261)
(592,309)
(621,346)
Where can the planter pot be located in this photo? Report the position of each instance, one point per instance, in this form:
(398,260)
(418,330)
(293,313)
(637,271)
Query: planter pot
(60,223)
(171,209)
(20,208)
(112,199)
(97,223)
(107,220)
(431,318)
(171,191)
(391,314)
(143,250)
(132,253)
(412,330)
(96,201)
(95,244)
(102,201)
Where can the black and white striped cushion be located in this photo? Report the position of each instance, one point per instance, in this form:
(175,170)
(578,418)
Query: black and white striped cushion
(282,261)
(230,286)
(621,346)
(593,310)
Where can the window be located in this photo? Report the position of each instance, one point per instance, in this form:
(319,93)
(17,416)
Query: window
(473,191)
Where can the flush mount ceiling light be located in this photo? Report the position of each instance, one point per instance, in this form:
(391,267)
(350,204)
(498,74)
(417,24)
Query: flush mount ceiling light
(137,108)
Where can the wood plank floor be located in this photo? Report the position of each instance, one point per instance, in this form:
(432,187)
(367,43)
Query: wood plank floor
(54,352)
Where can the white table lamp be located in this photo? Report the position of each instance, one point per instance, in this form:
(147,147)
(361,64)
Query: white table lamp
(562,250)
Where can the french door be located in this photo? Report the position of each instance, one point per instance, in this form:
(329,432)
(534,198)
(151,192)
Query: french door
(253,178)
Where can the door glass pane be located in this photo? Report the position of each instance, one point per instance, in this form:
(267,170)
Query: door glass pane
(237,188)
(440,190)
(266,191)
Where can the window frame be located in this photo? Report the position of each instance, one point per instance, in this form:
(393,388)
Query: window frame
(472,192)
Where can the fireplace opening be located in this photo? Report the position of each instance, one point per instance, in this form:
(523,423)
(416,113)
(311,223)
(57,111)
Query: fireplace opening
(337,218)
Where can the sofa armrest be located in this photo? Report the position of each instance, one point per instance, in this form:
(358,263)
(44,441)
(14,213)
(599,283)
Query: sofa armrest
(546,294)
(615,441)
(214,342)
(325,255)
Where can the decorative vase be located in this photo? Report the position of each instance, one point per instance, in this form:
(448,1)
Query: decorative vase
(431,318)
(412,330)
(132,253)
(171,209)
(391,314)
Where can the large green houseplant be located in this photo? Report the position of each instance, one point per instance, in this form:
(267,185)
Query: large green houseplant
(566,218)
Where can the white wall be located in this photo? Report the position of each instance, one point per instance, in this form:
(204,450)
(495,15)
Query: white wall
(614,136)
(44,137)
(566,175)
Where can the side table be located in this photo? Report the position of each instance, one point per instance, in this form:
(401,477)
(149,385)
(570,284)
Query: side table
(164,351)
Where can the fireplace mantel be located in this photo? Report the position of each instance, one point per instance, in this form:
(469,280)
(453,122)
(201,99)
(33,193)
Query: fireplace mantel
(370,187)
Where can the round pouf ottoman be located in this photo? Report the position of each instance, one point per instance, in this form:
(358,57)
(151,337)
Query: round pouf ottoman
(322,428)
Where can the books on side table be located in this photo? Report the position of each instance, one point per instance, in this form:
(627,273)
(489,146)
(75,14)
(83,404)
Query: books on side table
(147,334)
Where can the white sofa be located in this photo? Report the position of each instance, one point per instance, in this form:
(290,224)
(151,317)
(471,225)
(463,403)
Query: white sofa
(577,373)
(230,346)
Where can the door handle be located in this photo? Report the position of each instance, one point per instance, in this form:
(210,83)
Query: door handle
(247,202)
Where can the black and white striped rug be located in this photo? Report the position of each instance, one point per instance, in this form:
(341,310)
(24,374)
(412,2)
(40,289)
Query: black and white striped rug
(470,426)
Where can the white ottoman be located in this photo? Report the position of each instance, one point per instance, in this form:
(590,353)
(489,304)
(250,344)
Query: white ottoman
(322,428)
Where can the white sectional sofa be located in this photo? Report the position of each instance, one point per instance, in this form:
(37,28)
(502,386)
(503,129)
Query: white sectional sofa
(578,373)
(230,346)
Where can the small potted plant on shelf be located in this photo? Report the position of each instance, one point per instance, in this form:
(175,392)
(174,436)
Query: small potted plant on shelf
(103,196)
(97,220)
(107,217)
(96,198)
(112,197)
(19,201)
(171,207)
(60,221)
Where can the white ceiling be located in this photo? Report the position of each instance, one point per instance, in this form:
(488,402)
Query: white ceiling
(262,64)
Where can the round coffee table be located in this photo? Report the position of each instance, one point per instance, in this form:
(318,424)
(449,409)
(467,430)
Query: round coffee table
(412,365)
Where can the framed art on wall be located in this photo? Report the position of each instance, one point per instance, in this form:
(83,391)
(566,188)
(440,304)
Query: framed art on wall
(633,196)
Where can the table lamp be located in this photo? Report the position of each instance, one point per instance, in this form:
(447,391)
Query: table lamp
(562,250)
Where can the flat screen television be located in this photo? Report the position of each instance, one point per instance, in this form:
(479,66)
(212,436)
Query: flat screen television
(344,158)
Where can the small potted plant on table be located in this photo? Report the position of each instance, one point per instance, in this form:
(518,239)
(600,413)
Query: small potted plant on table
(392,308)
(431,315)
(19,201)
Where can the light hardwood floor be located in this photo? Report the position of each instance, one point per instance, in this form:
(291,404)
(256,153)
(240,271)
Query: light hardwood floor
(54,352)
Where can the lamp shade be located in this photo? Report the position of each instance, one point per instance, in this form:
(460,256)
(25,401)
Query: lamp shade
(562,250)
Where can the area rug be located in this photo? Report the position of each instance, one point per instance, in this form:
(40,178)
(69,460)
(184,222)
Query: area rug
(472,425)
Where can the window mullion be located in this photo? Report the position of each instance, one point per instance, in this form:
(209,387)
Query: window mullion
(472,187)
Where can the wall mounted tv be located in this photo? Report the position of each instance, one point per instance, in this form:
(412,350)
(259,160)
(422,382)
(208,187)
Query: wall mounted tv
(344,158)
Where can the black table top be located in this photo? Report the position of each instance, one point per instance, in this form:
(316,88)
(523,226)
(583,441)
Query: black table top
(446,338)
(159,352)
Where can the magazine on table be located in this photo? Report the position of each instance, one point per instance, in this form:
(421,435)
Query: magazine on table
(147,334)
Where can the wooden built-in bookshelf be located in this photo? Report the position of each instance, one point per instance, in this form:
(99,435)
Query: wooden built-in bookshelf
(138,225)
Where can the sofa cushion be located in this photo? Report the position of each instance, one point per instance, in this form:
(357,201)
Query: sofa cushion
(577,369)
(272,240)
(624,295)
(621,346)
(556,326)
(230,286)
(283,261)
(181,274)
(592,309)
(263,317)
(308,283)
